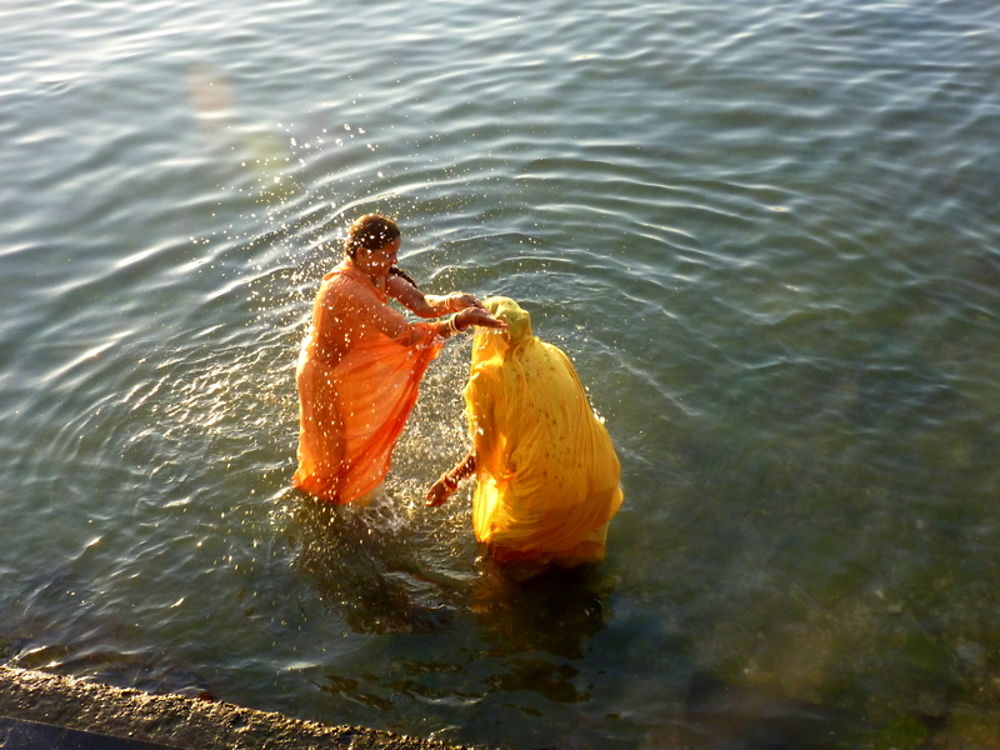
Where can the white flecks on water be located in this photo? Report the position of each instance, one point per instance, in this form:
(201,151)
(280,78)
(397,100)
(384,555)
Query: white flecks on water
(765,238)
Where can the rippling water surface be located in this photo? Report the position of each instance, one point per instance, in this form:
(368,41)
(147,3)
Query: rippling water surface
(766,234)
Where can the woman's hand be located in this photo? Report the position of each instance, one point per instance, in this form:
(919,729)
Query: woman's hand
(477,316)
(444,487)
(439,492)
(452,303)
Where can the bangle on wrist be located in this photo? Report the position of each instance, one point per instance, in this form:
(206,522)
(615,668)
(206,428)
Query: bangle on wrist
(452,325)
(449,482)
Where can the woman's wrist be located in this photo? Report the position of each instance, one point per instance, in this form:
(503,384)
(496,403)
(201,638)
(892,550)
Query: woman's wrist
(448,328)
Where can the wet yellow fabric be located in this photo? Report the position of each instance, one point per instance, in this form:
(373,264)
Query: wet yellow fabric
(548,475)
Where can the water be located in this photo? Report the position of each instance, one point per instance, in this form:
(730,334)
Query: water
(767,236)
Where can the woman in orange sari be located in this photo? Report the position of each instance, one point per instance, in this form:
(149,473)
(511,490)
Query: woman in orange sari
(361,362)
(547,475)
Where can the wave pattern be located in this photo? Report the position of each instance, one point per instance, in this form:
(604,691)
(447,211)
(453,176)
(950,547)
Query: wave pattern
(766,235)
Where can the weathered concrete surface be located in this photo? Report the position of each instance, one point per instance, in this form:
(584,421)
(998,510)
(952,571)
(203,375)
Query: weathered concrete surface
(177,721)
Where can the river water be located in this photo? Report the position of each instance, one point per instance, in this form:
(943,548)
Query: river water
(767,235)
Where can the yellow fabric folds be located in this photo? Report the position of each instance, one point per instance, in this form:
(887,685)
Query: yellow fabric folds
(548,476)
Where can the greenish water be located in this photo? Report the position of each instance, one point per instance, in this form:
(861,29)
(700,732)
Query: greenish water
(767,236)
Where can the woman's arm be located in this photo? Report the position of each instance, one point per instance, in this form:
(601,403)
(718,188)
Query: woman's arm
(382,317)
(404,292)
(444,487)
(427,305)
(393,324)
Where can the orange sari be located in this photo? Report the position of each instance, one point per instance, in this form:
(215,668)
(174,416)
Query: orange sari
(358,375)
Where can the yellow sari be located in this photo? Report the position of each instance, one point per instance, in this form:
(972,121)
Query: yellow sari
(547,473)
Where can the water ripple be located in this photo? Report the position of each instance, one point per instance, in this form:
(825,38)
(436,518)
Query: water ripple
(766,238)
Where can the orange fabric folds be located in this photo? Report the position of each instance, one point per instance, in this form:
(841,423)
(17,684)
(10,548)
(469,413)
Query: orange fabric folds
(547,472)
(357,386)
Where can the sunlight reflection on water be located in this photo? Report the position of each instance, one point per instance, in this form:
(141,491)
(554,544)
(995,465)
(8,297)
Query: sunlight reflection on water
(763,237)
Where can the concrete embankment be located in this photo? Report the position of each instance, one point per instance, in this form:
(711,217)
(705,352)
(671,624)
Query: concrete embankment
(38,709)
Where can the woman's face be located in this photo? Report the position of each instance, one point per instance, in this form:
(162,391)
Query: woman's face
(381,260)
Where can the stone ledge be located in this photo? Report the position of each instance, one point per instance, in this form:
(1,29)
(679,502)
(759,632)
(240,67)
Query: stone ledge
(174,721)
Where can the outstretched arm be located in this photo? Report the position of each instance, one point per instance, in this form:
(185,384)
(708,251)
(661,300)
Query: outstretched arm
(392,323)
(444,487)
(428,305)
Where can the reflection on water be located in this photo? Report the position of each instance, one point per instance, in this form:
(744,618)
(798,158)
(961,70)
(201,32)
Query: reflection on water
(766,238)
(383,574)
(556,612)
(367,564)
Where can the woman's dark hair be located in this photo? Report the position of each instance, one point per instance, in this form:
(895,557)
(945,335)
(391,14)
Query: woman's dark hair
(372,232)
(397,271)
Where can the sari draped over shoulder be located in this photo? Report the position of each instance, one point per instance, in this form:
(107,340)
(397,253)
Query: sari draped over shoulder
(547,473)
(357,387)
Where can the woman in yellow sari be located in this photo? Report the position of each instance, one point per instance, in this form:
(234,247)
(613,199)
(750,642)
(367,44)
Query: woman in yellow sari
(546,470)
(361,363)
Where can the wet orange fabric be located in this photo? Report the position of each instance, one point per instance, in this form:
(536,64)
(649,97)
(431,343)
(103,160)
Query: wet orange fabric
(547,473)
(358,375)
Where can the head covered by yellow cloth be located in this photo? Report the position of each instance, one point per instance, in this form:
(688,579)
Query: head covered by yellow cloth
(548,475)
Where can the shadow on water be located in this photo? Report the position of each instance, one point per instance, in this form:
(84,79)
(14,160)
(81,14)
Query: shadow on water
(475,637)
(366,564)
(555,612)
(381,571)
(555,636)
